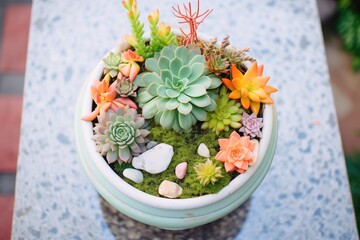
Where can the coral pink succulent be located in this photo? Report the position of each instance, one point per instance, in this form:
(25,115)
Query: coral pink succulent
(104,95)
(129,67)
(236,152)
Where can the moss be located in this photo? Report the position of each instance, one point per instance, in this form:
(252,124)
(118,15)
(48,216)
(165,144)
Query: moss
(185,149)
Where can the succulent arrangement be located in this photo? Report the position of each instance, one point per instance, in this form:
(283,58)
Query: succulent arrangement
(162,101)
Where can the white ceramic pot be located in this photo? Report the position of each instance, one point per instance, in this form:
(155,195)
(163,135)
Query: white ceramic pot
(160,212)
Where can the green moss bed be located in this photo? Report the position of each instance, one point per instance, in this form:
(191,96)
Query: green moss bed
(185,150)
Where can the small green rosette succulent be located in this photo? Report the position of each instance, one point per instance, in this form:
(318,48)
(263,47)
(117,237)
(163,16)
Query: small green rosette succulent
(228,113)
(111,63)
(176,90)
(119,135)
(208,172)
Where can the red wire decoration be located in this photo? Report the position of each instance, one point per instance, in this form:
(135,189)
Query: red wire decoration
(193,19)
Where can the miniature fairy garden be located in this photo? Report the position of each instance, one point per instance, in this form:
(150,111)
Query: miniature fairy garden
(174,115)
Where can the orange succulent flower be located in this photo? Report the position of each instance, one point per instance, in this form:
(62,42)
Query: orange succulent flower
(129,67)
(236,152)
(250,87)
(104,95)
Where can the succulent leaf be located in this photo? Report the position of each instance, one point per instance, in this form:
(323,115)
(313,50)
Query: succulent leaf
(129,67)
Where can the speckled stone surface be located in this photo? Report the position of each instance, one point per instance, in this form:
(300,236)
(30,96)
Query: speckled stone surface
(304,196)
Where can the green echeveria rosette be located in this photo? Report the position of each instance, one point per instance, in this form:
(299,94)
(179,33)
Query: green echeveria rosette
(228,113)
(111,63)
(119,135)
(177,90)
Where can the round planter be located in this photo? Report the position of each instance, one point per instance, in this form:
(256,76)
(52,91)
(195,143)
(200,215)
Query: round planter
(174,214)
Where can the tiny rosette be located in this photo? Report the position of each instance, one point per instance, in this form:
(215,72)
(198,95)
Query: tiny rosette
(125,88)
(226,115)
(111,63)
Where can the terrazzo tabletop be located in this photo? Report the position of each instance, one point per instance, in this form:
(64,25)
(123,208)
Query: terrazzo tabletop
(306,192)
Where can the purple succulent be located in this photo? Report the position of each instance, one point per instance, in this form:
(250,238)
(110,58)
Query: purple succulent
(251,125)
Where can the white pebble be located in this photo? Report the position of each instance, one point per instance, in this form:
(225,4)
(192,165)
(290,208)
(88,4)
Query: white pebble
(123,45)
(134,175)
(180,170)
(155,160)
(203,150)
(170,189)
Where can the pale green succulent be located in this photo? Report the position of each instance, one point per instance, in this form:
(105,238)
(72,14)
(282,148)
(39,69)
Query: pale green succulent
(120,135)
(111,63)
(176,90)
(227,114)
(208,172)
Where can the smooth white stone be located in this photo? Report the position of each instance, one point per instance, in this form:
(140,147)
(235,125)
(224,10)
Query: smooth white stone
(203,150)
(134,175)
(170,189)
(155,160)
(180,170)
(151,144)
(122,45)
(255,151)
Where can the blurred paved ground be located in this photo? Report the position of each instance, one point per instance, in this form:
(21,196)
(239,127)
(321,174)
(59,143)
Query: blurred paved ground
(14,30)
(346,91)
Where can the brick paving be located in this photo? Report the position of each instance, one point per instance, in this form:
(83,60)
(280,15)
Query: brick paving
(14,31)
(6,213)
(10,112)
(14,38)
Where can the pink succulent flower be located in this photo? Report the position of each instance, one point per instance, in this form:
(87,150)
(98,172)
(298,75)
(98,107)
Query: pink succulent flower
(251,125)
(236,152)
(104,95)
(129,67)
